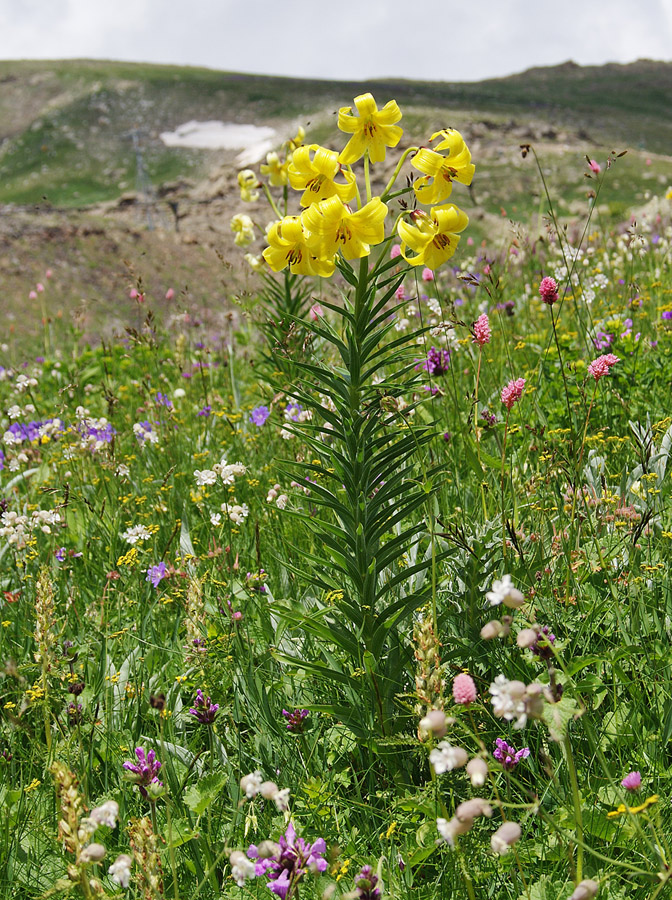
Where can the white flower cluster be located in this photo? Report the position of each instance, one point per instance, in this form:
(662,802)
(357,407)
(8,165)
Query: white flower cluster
(445,758)
(515,700)
(504,592)
(228,472)
(276,496)
(145,434)
(17,528)
(236,512)
(253,784)
(136,533)
(24,383)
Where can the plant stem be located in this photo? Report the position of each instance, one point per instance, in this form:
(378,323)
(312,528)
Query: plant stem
(576,801)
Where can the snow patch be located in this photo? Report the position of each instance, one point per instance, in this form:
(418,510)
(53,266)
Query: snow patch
(255,141)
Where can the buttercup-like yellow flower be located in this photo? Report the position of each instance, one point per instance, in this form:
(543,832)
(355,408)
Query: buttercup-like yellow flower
(274,170)
(247,181)
(433,238)
(332,226)
(372,130)
(287,247)
(440,171)
(313,170)
(243,228)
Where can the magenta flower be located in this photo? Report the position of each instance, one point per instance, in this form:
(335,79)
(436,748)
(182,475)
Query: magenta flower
(513,392)
(204,709)
(464,689)
(482,333)
(602,364)
(437,362)
(548,290)
(508,755)
(145,771)
(427,274)
(293,859)
(632,781)
(295,719)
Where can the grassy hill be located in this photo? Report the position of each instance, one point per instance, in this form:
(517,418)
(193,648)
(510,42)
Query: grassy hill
(65,126)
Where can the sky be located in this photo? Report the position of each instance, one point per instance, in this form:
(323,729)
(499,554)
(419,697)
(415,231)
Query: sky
(434,40)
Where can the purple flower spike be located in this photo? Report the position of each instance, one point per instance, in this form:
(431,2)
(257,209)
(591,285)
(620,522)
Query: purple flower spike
(203,709)
(437,361)
(508,755)
(145,771)
(366,883)
(295,720)
(293,858)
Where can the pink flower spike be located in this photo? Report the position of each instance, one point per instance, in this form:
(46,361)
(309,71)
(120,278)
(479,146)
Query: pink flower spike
(482,333)
(513,392)
(602,364)
(395,251)
(548,290)
(170,293)
(32,295)
(48,273)
(427,274)
(39,287)
(133,293)
(400,292)
(464,689)
(632,781)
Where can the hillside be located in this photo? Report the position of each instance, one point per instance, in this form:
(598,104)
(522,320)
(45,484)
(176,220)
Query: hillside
(70,193)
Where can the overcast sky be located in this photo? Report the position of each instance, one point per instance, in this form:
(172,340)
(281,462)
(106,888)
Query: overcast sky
(441,40)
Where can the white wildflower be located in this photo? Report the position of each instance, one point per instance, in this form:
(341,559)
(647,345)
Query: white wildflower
(504,592)
(135,534)
(205,476)
(120,870)
(445,758)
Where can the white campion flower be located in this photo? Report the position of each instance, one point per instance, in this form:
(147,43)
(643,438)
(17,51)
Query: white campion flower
(122,471)
(14,412)
(281,501)
(106,814)
(242,868)
(515,700)
(251,784)
(215,519)
(449,830)
(445,758)
(205,477)
(120,870)
(236,512)
(135,534)
(504,592)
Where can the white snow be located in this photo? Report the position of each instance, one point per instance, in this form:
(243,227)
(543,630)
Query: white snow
(253,140)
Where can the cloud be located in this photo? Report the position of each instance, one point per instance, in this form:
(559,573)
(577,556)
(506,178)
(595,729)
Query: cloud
(429,39)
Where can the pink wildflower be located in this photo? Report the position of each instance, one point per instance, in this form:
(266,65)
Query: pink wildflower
(512,392)
(602,364)
(464,689)
(39,287)
(316,311)
(427,274)
(395,251)
(632,781)
(170,293)
(48,273)
(32,295)
(595,167)
(400,292)
(548,290)
(482,331)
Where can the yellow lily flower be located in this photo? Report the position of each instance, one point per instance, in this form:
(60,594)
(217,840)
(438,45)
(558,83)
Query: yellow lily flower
(295,142)
(243,228)
(275,170)
(434,237)
(372,130)
(333,227)
(440,171)
(287,247)
(313,170)
(247,182)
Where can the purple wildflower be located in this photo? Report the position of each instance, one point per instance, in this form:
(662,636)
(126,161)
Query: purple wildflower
(259,415)
(437,361)
(163,400)
(508,755)
(204,710)
(666,314)
(156,573)
(295,720)
(145,772)
(632,781)
(366,883)
(293,859)
(205,411)
(293,411)
(60,554)
(542,646)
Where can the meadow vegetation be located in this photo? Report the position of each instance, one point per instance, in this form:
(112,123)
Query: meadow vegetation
(365,594)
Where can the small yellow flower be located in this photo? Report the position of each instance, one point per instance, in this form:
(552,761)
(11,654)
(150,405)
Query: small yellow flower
(256,263)
(296,141)
(243,228)
(313,170)
(275,171)
(434,237)
(372,130)
(332,226)
(440,171)
(247,182)
(622,809)
(35,783)
(287,247)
